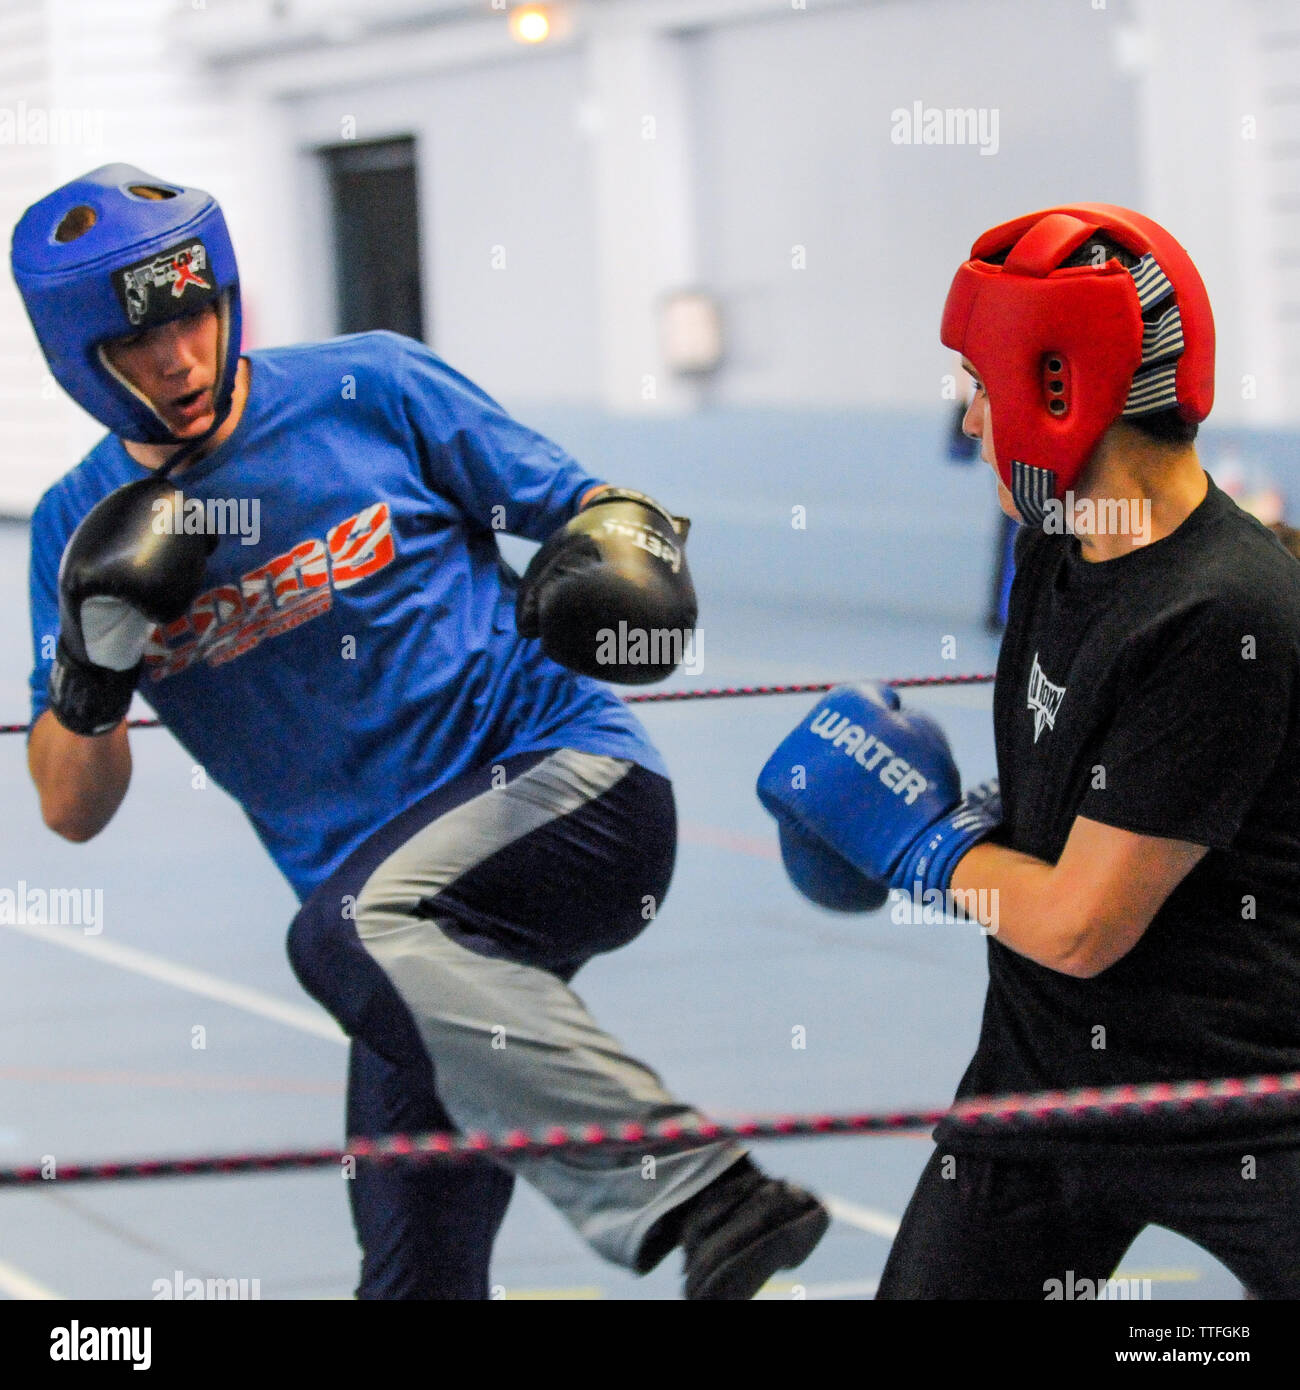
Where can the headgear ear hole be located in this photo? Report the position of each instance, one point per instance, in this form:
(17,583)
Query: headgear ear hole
(150,191)
(1056,383)
(75,222)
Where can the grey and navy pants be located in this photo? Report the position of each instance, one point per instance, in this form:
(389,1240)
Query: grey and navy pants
(444,946)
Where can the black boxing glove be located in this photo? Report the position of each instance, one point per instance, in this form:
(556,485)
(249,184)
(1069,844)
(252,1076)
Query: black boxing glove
(123,571)
(609,593)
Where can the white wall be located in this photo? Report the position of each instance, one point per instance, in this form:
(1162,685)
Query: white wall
(1219,106)
(795,137)
(33,426)
(111,77)
(507,225)
(783,129)
(772,131)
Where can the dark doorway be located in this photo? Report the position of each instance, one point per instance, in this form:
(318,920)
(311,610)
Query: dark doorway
(373,195)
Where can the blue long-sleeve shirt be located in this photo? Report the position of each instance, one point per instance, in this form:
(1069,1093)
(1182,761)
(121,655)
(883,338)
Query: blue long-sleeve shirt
(362,652)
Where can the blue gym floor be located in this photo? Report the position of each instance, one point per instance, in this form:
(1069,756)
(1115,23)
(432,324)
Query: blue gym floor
(96,1032)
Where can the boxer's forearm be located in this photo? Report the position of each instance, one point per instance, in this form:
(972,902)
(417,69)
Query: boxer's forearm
(1089,909)
(1027,910)
(81,781)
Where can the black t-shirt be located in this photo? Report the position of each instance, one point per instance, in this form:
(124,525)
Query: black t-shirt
(1158,692)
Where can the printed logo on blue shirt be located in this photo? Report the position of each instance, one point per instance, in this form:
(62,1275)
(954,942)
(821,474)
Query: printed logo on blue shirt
(232,619)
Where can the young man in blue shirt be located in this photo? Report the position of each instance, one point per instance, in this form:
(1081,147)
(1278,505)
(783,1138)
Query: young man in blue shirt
(465,821)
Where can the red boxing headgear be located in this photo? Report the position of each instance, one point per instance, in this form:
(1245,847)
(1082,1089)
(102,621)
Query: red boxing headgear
(1064,352)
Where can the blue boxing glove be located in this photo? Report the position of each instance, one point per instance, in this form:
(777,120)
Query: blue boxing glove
(877,786)
(822,876)
(932,859)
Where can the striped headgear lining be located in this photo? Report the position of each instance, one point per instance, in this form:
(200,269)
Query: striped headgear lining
(1031,490)
(1162,341)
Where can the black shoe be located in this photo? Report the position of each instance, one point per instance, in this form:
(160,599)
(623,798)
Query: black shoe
(744,1227)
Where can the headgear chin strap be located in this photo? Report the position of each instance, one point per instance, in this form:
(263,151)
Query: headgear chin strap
(1065,351)
(190,449)
(115,252)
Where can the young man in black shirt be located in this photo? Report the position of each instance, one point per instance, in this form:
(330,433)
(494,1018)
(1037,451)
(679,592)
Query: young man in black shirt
(1147,722)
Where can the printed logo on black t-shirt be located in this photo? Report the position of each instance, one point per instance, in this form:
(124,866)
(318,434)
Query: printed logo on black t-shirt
(1044,699)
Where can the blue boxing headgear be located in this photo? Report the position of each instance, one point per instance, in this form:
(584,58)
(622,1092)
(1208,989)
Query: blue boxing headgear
(115,252)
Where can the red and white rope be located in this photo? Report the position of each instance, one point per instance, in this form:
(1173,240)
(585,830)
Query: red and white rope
(662,697)
(987,1114)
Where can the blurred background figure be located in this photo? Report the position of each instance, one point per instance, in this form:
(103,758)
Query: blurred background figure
(1252,488)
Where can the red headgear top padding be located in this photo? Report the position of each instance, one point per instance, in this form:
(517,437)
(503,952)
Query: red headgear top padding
(1065,352)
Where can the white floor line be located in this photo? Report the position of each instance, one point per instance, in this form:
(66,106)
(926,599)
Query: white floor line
(253,1001)
(877,1223)
(19,1285)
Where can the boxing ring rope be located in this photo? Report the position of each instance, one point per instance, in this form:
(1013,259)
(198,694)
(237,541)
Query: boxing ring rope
(980,1113)
(663,697)
(987,1114)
